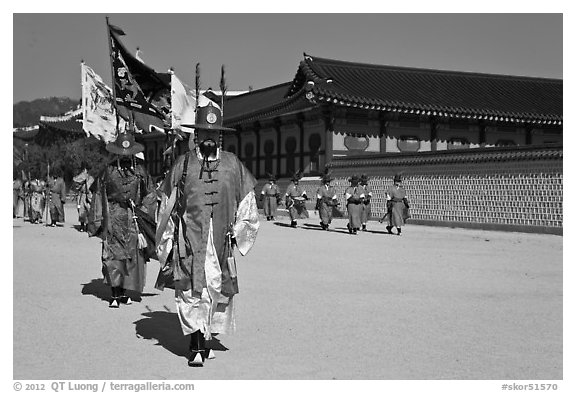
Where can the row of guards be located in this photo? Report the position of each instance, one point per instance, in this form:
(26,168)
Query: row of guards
(358,196)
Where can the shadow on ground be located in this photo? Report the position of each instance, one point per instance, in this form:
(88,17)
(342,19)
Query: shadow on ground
(164,327)
(99,289)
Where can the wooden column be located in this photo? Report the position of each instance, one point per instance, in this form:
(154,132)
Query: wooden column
(328,117)
(277,125)
(528,134)
(482,136)
(433,133)
(383,120)
(300,122)
(257,127)
(239,142)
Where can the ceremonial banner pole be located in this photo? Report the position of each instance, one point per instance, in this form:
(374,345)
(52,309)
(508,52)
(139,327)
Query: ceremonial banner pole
(112,72)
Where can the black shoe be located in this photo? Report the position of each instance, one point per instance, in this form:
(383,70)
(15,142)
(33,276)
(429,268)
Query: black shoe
(267,218)
(349,228)
(364,227)
(196,359)
(197,349)
(389,229)
(399,231)
(114,303)
(293,224)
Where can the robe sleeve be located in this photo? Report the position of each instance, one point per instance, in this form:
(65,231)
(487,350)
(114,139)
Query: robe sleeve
(246,225)
(165,226)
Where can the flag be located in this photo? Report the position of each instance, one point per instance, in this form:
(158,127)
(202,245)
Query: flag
(138,87)
(183,101)
(98,111)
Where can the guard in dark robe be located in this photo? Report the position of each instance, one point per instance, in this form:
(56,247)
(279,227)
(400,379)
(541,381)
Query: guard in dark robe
(397,204)
(270,198)
(56,197)
(296,200)
(366,206)
(121,213)
(326,200)
(354,196)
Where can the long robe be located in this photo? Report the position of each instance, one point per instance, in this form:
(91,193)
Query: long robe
(366,206)
(353,203)
(296,207)
(83,181)
(193,242)
(37,200)
(123,263)
(327,199)
(57,198)
(396,195)
(270,193)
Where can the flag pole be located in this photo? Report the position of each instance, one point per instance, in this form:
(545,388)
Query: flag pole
(112,73)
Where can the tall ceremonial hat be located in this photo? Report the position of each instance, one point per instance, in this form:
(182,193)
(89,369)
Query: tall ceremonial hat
(297,176)
(364,178)
(209,117)
(125,145)
(327,176)
(354,179)
(397,178)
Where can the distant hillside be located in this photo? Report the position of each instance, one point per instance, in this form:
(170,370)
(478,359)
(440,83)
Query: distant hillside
(28,113)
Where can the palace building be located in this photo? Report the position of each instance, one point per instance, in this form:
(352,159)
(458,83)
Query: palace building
(336,109)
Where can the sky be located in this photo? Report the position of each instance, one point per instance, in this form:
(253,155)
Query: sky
(261,50)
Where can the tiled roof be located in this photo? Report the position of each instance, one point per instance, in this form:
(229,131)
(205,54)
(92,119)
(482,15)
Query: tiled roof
(424,91)
(261,103)
(439,93)
(71,121)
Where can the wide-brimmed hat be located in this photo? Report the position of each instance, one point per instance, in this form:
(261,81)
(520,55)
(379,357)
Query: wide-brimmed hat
(354,179)
(297,176)
(397,178)
(327,177)
(125,145)
(208,117)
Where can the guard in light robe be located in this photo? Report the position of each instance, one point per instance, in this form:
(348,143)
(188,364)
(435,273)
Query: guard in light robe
(208,208)
(366,206)
(82,183)
(270,197)
(326,200)
(296,200)
(354,196)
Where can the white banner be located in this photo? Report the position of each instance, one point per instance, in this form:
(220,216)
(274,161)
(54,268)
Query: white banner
(99,114)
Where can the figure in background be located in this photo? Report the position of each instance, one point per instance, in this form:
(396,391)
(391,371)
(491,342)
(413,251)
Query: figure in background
(82,183)
(270,196)
(37,200)
(296,200)
(354,196)
(57,196)
(17,194)
(208,208)
(365,207)
(326,200)
(397,206)
(122,214)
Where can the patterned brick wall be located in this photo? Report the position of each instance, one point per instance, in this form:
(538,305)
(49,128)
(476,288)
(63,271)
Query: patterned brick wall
(514,188)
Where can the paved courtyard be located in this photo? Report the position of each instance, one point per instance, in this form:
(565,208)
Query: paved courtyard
(434,303)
